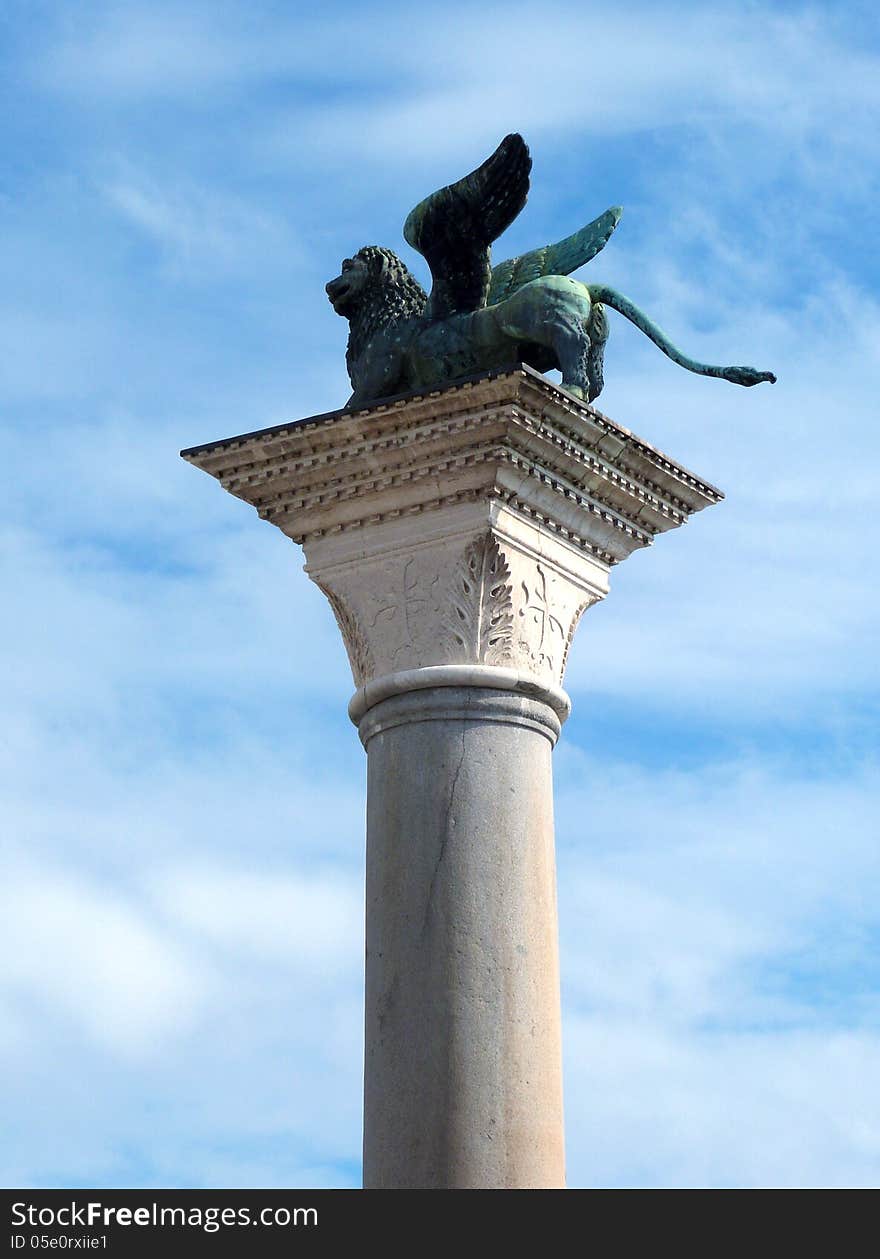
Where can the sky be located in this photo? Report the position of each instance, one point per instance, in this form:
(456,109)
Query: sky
(181,792)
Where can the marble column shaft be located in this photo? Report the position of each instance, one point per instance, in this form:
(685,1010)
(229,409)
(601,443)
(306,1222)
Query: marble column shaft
(463,1071)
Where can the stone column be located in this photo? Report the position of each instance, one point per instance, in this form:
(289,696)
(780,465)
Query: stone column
(463,1079)
(459,536)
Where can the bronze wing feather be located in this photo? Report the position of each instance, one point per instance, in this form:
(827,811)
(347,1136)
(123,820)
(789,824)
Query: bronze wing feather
(454,227)
(559,259)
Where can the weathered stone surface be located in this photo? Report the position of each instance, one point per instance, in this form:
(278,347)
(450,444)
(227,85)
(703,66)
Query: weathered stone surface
(463,1072)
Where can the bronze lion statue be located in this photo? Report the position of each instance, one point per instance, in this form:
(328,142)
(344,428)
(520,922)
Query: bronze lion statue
(478,317)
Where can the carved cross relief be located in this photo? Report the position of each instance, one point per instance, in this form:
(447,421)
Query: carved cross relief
(483,601)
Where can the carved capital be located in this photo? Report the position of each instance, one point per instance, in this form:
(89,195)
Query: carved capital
(479,598)
(467,526)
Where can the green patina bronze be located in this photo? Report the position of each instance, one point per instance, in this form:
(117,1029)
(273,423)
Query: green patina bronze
(479,317)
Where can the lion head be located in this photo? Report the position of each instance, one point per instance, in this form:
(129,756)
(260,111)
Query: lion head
(373,290)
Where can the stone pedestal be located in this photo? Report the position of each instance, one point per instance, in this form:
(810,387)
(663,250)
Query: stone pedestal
(459,536)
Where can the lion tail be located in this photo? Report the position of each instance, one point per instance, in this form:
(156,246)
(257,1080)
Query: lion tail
(736,375)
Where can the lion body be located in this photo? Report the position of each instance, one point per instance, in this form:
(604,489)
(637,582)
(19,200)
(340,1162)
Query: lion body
(394,349)
(395,345)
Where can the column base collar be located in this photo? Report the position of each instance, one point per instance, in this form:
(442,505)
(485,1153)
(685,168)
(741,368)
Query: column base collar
(478,675)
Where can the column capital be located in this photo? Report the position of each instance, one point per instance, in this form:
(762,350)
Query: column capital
(466,527)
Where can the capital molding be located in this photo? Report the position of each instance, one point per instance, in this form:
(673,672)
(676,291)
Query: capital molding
(466,526)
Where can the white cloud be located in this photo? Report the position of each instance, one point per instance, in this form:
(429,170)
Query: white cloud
(129,51)
(309,921)
(200,229)
(83,950)
(609,70)
(719,986)
(610,73)
(650,1108)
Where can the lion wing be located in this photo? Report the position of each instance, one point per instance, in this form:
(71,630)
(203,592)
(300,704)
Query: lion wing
(454,228)
(559,259)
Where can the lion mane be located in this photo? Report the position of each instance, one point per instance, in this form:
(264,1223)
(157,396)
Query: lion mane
(393,295)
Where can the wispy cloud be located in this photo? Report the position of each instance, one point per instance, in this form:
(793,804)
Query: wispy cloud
(609,74)
(311,922)
(713,922)
(199,228)
(83,952)
(729,1111)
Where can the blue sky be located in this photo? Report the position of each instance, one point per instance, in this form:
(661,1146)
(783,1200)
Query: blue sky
(182,817)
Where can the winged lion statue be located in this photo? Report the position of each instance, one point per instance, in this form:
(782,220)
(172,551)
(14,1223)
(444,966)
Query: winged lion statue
(479,317)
